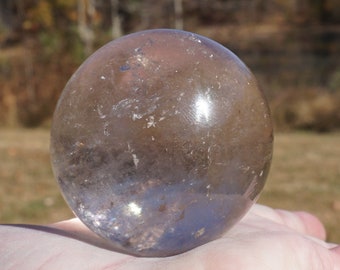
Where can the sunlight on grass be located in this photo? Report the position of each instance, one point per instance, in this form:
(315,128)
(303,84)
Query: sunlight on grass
(305,175)
(28,191)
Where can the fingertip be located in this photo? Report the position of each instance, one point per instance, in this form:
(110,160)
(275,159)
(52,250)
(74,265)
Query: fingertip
(299,221)
(312,225)
(336,249)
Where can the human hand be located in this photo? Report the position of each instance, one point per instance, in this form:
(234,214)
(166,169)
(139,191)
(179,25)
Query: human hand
(263,239)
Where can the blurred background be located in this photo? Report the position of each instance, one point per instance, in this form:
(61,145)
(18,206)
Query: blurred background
(293,48)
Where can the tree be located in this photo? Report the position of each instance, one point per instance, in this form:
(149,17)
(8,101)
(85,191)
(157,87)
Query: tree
(85,15)
(116,20)
(178,7)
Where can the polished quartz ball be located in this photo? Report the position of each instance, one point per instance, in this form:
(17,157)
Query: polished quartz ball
(161,141)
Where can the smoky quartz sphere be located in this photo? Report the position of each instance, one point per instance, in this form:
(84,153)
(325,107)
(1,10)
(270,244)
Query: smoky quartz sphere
(161,141)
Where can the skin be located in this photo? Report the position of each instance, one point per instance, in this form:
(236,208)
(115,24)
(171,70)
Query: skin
(264,239)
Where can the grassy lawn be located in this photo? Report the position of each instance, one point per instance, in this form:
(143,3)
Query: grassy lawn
(305,175)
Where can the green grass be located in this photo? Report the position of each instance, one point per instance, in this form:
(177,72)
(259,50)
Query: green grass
(305,175)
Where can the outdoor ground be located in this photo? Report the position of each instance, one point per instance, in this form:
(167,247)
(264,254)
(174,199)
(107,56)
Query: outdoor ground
(305,175)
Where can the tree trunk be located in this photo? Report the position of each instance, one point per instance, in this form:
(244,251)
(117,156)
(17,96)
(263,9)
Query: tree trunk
(84,27)
(116,21)
(178,7)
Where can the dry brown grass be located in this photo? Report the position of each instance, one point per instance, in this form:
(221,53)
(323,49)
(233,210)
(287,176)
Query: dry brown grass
(308,109)
(305,175)
(28,192)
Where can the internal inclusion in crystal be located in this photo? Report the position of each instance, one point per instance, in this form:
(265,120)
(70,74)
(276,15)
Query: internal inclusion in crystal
(161,142)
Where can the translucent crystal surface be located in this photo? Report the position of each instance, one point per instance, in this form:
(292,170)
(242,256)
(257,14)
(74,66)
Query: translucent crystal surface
(161,141)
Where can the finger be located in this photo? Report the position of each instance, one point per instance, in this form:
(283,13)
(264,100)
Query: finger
(78,230)
(336,250)
(301,222)
(72,225)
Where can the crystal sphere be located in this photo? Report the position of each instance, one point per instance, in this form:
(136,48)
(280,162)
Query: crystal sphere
(161,141)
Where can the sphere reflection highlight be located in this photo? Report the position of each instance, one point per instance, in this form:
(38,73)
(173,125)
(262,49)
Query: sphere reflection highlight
(161,141)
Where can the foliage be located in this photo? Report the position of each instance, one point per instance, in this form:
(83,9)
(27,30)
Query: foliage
(288,45)
(334,82)
(41,15)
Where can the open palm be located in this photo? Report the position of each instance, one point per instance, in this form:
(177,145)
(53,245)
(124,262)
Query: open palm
(263,239)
